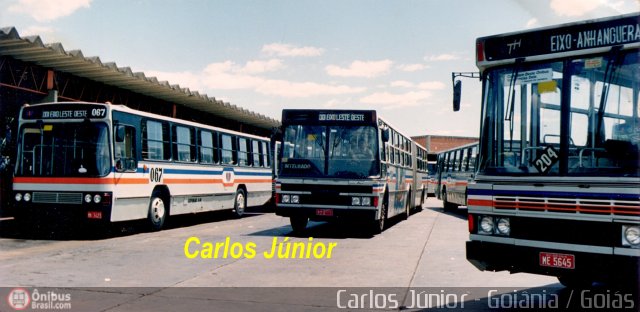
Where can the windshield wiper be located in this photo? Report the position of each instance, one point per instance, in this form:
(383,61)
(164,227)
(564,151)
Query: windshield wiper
(612,65)
(508,116)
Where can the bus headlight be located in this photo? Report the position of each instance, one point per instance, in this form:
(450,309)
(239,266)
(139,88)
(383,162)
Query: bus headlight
(97,199)
(295,199)
(486,225)
(504,226)
(355,201)
(87,198)
(286,199)
(366,201)
(26,197)
(631,235)
(18,197)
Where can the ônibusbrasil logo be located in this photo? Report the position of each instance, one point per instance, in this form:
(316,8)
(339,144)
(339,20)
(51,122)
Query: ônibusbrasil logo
(19,298)
(38,299)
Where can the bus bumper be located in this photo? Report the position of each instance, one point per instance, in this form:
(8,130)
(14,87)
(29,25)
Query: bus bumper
(62,214)
(487,256)
(322,214)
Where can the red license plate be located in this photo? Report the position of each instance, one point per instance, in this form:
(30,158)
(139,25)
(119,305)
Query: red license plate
(94,214)
(324,212)
(555,260)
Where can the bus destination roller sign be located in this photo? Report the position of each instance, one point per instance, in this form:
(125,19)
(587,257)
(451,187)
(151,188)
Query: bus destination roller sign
(71,111)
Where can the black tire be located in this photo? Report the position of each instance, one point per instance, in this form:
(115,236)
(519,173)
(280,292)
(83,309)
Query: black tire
(407,207)
(298,224)
(157,212)
(379,225)
(575,281)
(448,206)
(239,203)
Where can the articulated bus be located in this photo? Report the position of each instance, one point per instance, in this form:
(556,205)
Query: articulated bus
(109,163)
(456,169)
(557,190)
(345,164)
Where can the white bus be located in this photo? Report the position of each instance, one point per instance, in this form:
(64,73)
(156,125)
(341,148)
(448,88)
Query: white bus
(345,164)
(110,163)
(557,190)
(456,169)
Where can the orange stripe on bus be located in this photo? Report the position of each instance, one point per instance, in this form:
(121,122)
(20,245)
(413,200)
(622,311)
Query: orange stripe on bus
(110,180)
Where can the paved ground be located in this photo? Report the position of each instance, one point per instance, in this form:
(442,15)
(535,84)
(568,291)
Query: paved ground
(130,269)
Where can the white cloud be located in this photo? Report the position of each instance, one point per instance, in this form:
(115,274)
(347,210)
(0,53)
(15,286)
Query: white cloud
(431,85)
(48,10)
(532,23)
(574,8)
(281,49)
(402,84)
(365,69)
(396,100)
(231,76)
(291,89)
(37,31)
(442,57)
(258,67)
(412,67)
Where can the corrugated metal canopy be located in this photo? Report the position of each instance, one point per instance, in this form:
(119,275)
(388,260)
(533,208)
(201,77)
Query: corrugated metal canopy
(32,49)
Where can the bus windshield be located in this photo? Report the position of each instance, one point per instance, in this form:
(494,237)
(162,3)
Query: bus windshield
(568,117)
(330,151)
(64,150)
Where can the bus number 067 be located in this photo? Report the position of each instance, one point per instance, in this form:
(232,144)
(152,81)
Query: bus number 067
(98,112)
(155,175)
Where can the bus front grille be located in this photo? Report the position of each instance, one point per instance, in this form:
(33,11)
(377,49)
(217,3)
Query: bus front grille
(57,198)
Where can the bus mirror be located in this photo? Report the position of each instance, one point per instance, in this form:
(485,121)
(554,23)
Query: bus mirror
(120,133)
(457,90)
(385,135)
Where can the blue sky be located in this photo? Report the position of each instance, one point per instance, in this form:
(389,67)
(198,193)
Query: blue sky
(393,56)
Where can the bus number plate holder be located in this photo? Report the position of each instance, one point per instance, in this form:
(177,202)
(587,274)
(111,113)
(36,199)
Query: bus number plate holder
(324,212)
(555,260)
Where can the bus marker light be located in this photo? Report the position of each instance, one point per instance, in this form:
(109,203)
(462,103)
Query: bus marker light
(472,224)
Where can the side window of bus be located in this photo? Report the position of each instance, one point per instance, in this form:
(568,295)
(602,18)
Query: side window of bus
(155,140)
(125,148)
(206,147)
(255,151)
(465,159)
(184,144)
(265,155)
(243,152)
(228,149)
(472,159)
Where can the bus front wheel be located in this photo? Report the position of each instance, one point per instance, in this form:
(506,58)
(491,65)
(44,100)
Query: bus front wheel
(157,212)
(448,206)
(378,225)
(240,203)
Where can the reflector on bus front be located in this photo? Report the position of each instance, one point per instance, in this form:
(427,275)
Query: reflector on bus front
(479,51)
